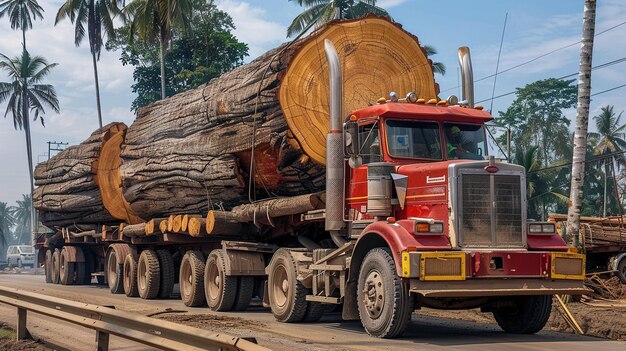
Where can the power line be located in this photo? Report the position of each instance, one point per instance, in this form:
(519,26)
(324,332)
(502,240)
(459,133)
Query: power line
(591,159)
(606,91)
(604,65)
(542,55)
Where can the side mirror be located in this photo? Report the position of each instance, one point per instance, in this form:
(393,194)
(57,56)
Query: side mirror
(351,147)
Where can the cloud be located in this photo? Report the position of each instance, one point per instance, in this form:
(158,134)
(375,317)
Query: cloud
(252,27)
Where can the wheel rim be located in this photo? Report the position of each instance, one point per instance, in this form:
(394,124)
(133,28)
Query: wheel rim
(374,294)
(214,281)
(127,277)
(141,275)
(280,285)
(62,264)
(186,279)
(112,269)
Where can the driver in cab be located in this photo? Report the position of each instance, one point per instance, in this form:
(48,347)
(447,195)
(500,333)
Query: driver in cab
(456,147)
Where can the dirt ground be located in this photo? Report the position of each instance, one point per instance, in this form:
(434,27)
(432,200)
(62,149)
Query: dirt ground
(8,342)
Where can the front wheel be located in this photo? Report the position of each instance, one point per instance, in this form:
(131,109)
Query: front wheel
(621,270)
(524,314)
(383,299)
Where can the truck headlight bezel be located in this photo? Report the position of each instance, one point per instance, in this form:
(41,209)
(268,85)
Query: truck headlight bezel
(541,228)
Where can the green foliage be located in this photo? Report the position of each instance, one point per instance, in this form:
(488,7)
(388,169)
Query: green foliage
(22,216)
(6,223)
(21,13)
(25,92)
(536,118)
(208,50)
(318,12)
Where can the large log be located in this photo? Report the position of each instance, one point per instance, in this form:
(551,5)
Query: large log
(191,152)
(66,191)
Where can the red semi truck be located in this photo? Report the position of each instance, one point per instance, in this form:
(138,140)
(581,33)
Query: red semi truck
(417,215)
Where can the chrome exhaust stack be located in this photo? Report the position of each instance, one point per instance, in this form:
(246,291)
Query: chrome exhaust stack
(467,76)
(335,150)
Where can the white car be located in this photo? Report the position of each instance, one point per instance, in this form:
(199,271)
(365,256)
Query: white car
(20,256)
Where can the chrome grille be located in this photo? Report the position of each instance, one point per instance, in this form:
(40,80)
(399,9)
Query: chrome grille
(491,210)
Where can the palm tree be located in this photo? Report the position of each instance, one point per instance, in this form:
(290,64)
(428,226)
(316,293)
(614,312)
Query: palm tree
(26,93)
(609,140)
(582,120)
(23,219)
(157,19)
(319,12)
(6,222)
(438,67)
(97,16)
(21,13)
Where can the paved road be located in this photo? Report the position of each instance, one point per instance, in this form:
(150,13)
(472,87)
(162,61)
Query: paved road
(425,332)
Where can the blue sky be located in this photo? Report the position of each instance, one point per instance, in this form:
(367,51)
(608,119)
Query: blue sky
(534,27)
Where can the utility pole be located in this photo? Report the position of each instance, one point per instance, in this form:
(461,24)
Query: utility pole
(55,146)
(582,121)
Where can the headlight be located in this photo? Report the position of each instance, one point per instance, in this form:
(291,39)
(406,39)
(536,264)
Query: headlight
(541,228)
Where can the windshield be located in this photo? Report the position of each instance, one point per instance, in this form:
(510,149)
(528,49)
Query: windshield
(26,249)
(465,141)
(413,139)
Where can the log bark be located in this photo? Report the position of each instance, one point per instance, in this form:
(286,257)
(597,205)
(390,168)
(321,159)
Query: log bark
(222,223)
(277,207)
(67,192)
(132,230)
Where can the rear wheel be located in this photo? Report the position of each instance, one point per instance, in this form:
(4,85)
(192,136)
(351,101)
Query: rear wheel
(48,266)
(56,257)
(621,270)
(168,274)
(114,273)
(191,279)
(148,274)
(525,314)
(130,276)
(383,299)
(66,268)
(245,290)
(287,296)
(219,288)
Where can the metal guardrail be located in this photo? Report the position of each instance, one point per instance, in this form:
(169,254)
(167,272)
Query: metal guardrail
(107,321)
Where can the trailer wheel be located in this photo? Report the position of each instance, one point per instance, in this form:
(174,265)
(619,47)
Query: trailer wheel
(66,268)
(527,315)
(130,276)
(168,274)
(287,295)
(621,270)
(56,257)
(383,299)
(114,273)
(148,274)
(314,312)
(89,266)
(220,289)
(191,279)
(48,266)
(245,290)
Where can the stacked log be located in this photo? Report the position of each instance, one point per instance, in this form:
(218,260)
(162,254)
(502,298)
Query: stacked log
(67,191)
(256,132)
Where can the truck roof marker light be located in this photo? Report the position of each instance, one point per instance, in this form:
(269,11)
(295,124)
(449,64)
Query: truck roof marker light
(479,107)
(411,97)
(391,220)
(421,101)
(432,101)
(382,100)
(352,118)
(393,96)
(442,103)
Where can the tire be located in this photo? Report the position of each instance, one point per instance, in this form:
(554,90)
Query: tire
(168,274)
(191,279)
(66,269)
(56,257)
(101,280)
(621,270)
(528,315)
(386,308)
(287,296)
(148,274)
(130,276)
(220,290)
(80,273)
(48,267)
(89,264)
(314,312)
(114,271)
(245,290)
(19,263)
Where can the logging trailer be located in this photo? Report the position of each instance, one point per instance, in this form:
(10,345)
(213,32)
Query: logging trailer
(414,214)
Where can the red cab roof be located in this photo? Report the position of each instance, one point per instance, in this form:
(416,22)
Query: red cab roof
(425,112)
